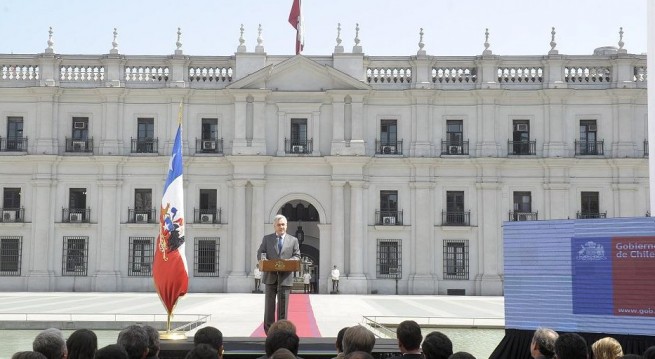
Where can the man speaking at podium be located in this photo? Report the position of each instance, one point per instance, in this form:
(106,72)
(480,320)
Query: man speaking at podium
(278,245)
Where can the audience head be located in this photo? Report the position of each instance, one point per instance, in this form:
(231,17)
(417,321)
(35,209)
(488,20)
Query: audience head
(135,341)
(543,343)
(359,355)
(409,336)
(282,324)
(461,355)
(649,353)
(437,346)
(283,353)
(153,341)
(358,338)
(210,336)
(281,339)
(112,351)
(50,343)
(340,340)
(606,348)
(82,344)
(571,346)
(28,355)
(202,351)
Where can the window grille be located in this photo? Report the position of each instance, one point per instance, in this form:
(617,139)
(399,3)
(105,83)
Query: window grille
(10,256)
(140,259)
(456,259)
(389,259)
(206,254)
(75,256)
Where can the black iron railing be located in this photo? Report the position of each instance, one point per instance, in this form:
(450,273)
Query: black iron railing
(10,215)
(142,215)
(13,144)
(75,215)
(388,147)
(389,218)
(519,148)
(145,145)
(523,216)
(209,146)
(455,147)
(589,215)
(298,146)
(589,148)
(207,215)
(78,145)
(452,218)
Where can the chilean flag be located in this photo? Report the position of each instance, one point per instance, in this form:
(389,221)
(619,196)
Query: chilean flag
(295,19)
(169,270)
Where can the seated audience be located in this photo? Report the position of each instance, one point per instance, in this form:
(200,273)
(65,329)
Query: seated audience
(606,348)
(542,345)
(82,344)
(277,339)
(339,343)
(571,346)
(111,351)
(283,324)
(649,353)
(135,341)
(358,338)
(153,342)
(437,346)
(50,343)
(28,355)
(359,355)
(210,336)
(461,355)
(409,338)
(202,351)
(283,353)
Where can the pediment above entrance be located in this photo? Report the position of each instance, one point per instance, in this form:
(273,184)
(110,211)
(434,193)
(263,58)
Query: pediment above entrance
(299,73)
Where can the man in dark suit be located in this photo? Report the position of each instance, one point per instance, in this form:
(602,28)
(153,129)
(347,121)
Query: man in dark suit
(278,245)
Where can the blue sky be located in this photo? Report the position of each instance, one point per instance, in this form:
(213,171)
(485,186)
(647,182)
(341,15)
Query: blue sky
(387,27)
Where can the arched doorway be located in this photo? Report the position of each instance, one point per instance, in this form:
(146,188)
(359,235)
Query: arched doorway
(302,222)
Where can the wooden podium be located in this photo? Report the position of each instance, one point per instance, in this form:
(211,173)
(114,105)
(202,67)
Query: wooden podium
(279,265)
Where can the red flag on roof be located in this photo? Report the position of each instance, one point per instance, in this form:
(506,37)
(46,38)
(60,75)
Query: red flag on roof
(295,19)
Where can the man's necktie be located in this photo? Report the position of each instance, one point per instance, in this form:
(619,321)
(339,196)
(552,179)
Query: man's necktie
(279,244)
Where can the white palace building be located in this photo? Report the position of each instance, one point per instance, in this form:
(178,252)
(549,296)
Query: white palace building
(399,170)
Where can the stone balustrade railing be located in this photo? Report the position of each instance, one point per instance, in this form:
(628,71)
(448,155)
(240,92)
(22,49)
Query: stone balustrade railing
(380,72)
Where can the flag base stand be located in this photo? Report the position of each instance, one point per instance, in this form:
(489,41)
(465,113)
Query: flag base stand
(172,335)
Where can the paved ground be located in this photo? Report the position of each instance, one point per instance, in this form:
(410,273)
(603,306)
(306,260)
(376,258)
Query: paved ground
(239,315)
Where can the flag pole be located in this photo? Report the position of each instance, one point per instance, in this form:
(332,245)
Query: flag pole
(170,271)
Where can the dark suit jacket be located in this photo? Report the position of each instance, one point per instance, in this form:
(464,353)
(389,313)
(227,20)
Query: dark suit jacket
(290,250)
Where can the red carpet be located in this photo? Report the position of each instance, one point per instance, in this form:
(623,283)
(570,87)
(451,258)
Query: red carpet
(302,316)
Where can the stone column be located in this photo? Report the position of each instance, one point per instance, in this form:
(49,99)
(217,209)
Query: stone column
(337,241)
(281,132)
(490,233)
(239,143)
(106,275)
(356,282)
(258,220)
(422,251)
(42,242)
(554,142)
(236,282)
(316,135)
(623,145)
(338,115)
(357,142)
(259,124)
(419,144)
(488,147)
